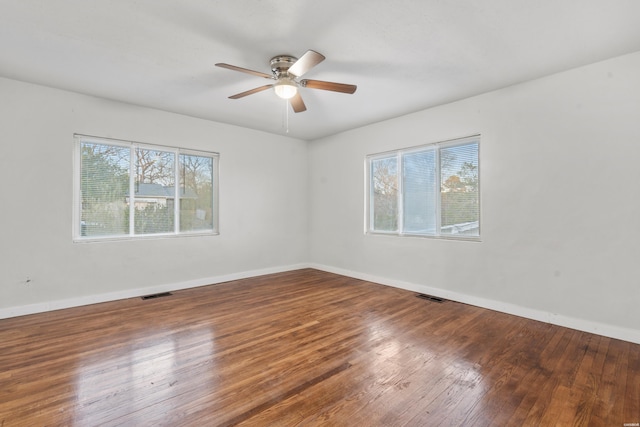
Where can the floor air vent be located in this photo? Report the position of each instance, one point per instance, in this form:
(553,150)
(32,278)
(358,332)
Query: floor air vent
(430,298)
(161,294)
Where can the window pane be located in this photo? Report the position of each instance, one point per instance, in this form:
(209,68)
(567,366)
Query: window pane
(384,194)
(196,193)
(123,190)
(104,185)
(154,191)
(419,192)
(459,190)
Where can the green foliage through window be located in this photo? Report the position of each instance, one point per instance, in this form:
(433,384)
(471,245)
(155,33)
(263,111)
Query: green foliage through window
(128,189)
(430,191)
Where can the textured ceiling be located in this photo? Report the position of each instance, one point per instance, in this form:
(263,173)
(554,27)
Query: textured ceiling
(404,56)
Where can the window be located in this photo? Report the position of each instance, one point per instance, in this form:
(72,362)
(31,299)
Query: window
(127,190)
(431,190)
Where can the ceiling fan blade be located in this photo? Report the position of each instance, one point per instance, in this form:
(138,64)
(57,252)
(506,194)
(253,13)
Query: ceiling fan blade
(310,59)
(250,92)
(245,70)
(297,103)
(335,87)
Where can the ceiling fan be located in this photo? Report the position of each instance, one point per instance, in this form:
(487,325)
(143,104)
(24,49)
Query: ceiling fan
(286,70)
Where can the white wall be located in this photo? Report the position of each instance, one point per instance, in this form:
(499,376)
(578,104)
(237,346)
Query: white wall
(560,201)
(263,199)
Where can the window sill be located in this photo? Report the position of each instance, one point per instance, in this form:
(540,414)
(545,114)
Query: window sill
(143,237)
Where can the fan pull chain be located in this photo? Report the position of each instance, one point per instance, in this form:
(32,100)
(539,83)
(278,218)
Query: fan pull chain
(286,112)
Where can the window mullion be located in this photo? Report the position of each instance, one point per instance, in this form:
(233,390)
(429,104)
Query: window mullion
(176,186)
(132,185)
(370,195)
(77,188)
(400,178)
(438,193)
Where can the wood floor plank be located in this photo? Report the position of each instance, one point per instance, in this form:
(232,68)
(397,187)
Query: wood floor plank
(308,348)
(612,377)
(536,377)
(632,389)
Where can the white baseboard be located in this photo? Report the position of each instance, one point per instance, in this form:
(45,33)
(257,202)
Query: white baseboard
(611,331)
(625,334)
(138,292)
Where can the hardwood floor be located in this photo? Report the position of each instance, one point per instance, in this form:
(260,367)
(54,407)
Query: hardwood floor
(308,348)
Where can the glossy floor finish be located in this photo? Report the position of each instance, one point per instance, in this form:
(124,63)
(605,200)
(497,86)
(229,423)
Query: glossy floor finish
(308,348)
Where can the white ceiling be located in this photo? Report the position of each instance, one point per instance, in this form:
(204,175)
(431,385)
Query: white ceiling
(404,55)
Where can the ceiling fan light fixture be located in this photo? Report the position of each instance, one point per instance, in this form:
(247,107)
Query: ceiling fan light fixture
(286,70)
(285,89)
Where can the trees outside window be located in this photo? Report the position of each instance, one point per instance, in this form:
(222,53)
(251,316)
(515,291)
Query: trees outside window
(427,191)
(127,190)
(384,194)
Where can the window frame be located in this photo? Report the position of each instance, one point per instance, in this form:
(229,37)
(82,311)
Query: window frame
(399,156)
(80,139)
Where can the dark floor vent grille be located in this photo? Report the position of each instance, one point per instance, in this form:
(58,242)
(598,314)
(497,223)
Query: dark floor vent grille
(430,298)
(161,294)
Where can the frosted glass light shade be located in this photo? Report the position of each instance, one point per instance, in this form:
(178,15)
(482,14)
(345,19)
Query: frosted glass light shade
(285,89)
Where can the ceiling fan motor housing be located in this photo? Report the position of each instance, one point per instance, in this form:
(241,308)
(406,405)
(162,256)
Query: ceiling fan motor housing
(280,64)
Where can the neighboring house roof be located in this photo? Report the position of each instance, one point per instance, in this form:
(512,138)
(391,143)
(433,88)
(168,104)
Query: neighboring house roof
(146,190)
(461,228)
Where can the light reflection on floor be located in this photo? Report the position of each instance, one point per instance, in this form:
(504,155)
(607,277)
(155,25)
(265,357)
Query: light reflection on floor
(460,380)
(146,372)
